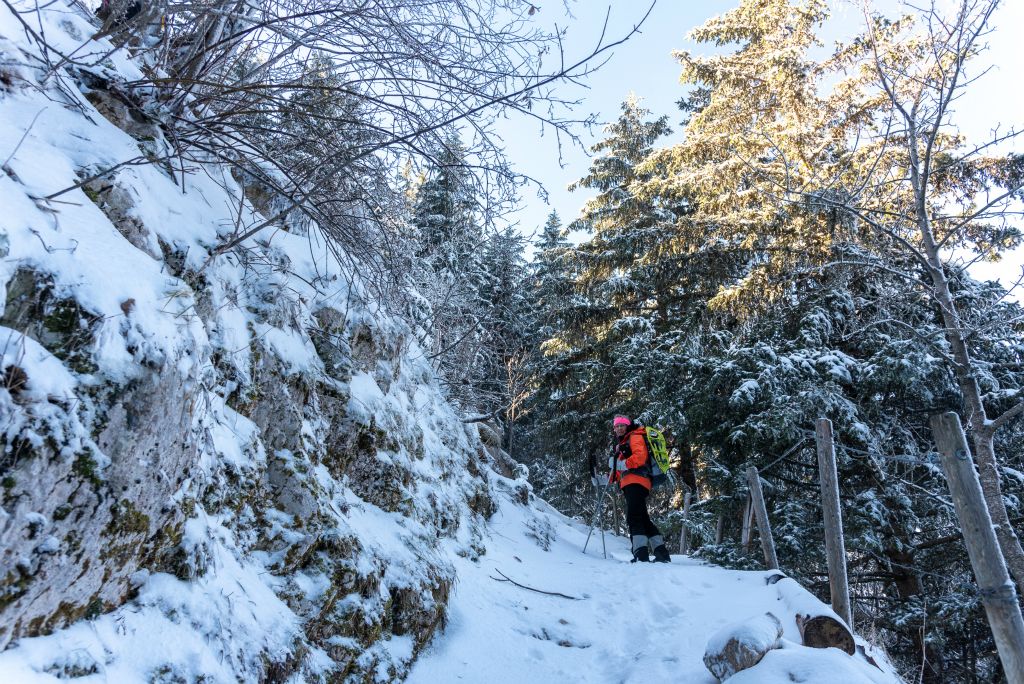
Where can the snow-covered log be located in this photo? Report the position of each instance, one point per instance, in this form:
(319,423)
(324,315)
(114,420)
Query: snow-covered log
(741,645)
(820,626)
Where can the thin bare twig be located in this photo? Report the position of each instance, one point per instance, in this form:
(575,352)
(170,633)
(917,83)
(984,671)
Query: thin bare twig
(539,591)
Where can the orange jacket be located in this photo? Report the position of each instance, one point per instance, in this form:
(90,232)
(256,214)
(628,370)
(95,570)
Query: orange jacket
(631,455)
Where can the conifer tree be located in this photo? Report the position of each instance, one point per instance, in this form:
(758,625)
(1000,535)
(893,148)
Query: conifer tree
(868,172)
(622,326)
(504,331)
(448,271)
(611,284)
(550,287)
(445,212)
(756,124)
(551,284)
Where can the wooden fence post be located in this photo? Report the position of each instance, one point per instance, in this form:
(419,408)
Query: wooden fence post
(761,511)
(684,533)
(997,591)
(835,547)
(747,531)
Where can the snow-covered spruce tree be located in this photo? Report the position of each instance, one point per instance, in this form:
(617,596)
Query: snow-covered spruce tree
(445,213)
(550,288)
(499,372)
(789,165)
(551,281)
(835,348)
(754,121)
(632,312)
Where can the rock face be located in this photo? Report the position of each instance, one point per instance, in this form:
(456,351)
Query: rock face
(87,490)
(248,430)
(742,645)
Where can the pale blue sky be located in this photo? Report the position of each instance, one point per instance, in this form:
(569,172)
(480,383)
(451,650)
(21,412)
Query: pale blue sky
(644,65)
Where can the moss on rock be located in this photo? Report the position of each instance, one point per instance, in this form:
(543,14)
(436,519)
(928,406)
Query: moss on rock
(60,324)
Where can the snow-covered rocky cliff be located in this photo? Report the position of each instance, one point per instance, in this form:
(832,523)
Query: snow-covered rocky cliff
(238,468)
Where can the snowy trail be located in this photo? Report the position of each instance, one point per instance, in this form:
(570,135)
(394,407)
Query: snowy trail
(632,623)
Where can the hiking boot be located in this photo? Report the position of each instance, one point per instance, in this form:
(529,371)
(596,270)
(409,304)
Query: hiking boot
(641,555)
(661,555)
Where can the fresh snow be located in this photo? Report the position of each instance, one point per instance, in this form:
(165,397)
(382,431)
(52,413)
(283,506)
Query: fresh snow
(625,623)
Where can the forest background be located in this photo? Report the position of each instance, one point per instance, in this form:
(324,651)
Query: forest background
(738,359)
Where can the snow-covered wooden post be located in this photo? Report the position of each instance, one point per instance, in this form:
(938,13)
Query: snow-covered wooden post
(684,534)
(747,528)
(835,547)
(761,511)
(997,591)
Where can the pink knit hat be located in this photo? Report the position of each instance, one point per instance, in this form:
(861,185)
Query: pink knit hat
(621,420)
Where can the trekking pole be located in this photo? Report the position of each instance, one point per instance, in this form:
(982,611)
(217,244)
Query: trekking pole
(598,507)
(604,549)
(596,516)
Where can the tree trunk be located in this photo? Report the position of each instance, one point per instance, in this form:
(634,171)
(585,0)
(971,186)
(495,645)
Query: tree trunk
(820,627)
(684,468)
(747,529)
(964,368)
(509,427)
(908,585)
(684,536)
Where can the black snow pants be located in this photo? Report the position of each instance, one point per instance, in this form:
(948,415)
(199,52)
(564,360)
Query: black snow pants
(641,530)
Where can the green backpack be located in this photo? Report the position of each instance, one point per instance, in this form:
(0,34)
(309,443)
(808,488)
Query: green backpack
(657,447)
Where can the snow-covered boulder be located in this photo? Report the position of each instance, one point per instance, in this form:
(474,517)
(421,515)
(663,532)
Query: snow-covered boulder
(795,663)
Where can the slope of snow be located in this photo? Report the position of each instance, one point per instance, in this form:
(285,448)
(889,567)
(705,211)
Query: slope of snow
(625,622)
(615,621)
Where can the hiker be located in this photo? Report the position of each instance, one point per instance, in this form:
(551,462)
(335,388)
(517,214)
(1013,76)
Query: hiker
(631,468)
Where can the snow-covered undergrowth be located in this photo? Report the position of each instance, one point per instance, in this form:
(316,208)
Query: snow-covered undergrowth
(215,469)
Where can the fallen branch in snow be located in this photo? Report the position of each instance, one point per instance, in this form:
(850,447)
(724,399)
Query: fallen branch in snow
(742,645)
(820,626)
(523,586)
